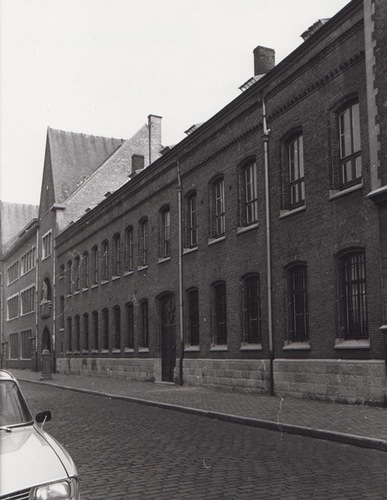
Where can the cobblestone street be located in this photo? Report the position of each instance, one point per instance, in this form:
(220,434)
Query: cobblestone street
(129,451)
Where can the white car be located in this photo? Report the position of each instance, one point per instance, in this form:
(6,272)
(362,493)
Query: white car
(33,465)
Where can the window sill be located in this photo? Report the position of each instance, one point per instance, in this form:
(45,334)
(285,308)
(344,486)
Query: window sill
(85,351)
(251,347)
(94,351)
(335,193)
(352,344)
(287,213)
(192,348)
(128,273)
(104,282)
(246,229)
(115,278)
(162,260)
(94,286)
(76,292)
(128,349)
(116,351)
(85,289)
(296,346)
(142,268)
(213,241)
(143,350)
(26,314)
(186,251)
(104,351)
(219,348)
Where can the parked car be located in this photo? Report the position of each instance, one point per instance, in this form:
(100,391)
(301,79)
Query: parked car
(33,465)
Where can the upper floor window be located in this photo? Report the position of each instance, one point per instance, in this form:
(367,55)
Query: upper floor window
(297,299)
(77,271)
(296,172)
(13,272)
(251,333)
(105,260)
(219,314)
(117,255)
(352,295)
(193,316)
(129,250)
(218,214)
(94,265)
(143,242)
(28,261)
(85,270)
(165,232)
(191,220)
(69,277)
(62,272)
(47,245)
(13,307)
(250,194)
(350,149)
(28,300)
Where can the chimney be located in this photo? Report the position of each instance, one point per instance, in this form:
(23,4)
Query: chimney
(264,60)
(154,130)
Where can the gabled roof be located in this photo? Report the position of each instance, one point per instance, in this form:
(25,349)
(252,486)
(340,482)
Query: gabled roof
(74,157)
(109,177)
(13,218)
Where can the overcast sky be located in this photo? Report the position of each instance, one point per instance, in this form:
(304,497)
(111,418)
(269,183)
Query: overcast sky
(100,67)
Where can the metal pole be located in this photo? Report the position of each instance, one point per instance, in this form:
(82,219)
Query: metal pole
(265,137)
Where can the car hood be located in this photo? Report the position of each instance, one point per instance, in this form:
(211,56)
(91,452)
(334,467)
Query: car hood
(29,457)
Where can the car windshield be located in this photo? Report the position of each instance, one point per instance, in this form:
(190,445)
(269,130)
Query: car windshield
(13,408)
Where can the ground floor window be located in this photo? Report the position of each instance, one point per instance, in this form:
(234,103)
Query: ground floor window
(297,298)
(251,310)
(13,346)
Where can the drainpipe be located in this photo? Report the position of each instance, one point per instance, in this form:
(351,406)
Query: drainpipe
(179,202)
(265,138)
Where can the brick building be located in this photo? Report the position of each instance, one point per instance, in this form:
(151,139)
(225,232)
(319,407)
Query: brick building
(249,255)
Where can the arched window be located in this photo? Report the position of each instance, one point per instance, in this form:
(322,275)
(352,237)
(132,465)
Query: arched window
(297,299)
(144,340)
(352,295)
(105,260)
(117,255)
(85,270)
(350,170)
(219,313)
(129,249)
(251,306)
(143,250)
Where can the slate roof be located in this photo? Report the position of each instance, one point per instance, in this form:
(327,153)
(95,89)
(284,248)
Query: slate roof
(106,179)
(74,157)
(13,218)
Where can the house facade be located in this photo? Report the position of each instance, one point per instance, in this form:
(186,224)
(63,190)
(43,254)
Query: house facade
(249,255)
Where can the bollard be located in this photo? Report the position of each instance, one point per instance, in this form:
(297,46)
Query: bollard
(46,365)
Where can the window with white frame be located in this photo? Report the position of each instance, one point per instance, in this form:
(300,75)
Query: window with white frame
(116,255)
(13,307)
(218,214)
(28,261)
(47,245)
(250,194)
(296,172)
(105,260)
(28,300)
(13,345)
(165,232)
(349,146)
(143,242)
(129,249)
(26,344)
(191,220)
(13,272)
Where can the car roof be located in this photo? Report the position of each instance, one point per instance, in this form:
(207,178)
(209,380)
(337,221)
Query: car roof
(6,375)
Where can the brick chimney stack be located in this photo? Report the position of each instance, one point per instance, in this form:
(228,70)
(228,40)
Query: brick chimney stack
(264,60)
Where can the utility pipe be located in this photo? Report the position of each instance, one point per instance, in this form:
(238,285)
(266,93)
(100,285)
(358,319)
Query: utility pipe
(265,138)
(181,316)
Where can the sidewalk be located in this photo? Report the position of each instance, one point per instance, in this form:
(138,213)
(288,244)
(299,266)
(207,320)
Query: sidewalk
(352,424)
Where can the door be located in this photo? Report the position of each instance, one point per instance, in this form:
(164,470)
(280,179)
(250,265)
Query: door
(168,336)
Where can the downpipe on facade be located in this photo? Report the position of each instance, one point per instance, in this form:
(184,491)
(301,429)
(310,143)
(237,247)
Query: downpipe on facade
(181,316)
(265,138)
